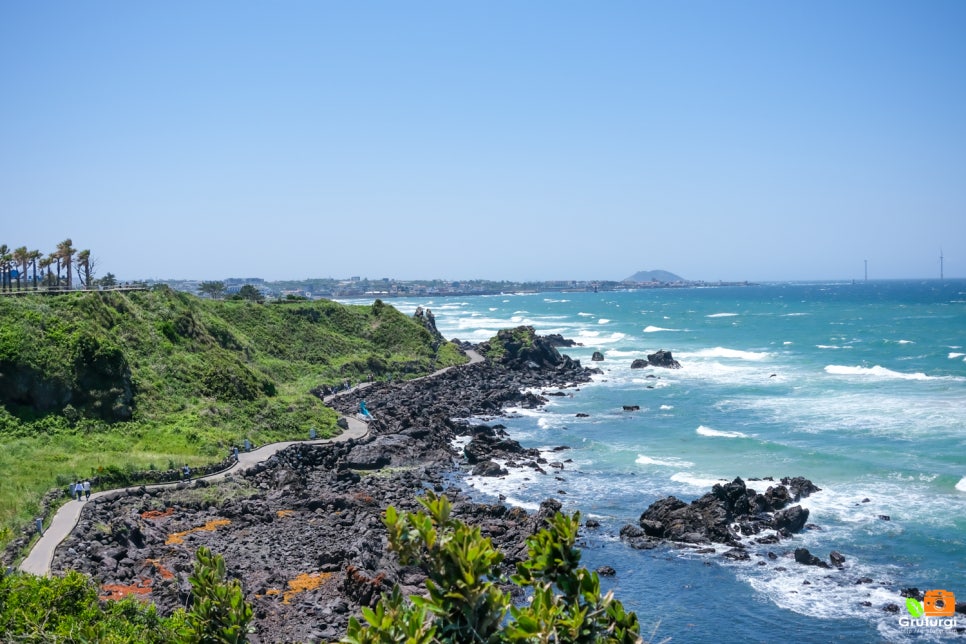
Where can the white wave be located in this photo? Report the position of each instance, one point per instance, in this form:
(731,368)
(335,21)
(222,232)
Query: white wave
(585,315)
(707,431)
(876,371)
(643,459)
(721,352)
(961,486)
(667,407)
(831,346)
(953,356)
(617,353)
(822,597)
(906,342)
(696,481)
(552,301)
(656,329)
(721,315)
(595,338)
(603,321)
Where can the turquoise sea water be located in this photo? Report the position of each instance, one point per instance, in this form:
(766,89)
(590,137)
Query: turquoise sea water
(859,387)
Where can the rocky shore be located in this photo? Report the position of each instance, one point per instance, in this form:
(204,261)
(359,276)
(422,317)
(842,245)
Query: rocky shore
(303,531)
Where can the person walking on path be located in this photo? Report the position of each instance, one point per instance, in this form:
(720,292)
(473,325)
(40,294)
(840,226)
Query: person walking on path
(87,490)
(78,490)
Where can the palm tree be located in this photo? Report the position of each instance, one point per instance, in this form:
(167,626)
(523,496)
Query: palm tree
(5,259)
(84,267)
(21,257)
(34,256)
(45,262)
(65,251)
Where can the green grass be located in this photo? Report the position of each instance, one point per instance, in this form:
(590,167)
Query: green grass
(145,380)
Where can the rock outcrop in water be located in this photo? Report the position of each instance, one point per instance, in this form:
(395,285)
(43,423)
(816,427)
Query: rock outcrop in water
(726,515)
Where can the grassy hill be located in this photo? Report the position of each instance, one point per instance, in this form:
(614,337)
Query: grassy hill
(156,379)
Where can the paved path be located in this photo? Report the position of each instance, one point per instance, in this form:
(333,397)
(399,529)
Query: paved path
(42,554)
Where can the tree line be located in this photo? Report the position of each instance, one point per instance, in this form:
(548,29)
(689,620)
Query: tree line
(22,269)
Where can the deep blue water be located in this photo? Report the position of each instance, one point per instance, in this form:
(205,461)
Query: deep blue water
(859,387)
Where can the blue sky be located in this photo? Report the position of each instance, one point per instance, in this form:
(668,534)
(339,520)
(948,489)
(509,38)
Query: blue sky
(498,140)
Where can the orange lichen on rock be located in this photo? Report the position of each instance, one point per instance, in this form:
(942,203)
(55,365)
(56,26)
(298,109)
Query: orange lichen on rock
(164,572)
(120,591)
(178,537)
(157,514)
(284,513)
(305,581)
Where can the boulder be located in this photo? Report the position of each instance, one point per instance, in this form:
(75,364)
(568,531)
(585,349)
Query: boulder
(640,363)
(664,359)
(792,519)
(489,468)
(806,558)
(597,357)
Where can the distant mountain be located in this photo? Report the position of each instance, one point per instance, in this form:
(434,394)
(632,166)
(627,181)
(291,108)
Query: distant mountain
(654,276)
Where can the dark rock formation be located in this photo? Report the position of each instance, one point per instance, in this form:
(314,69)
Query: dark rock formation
(804,557)
(557,340)
(664,359)
(639,363)
(597,357)
(724,515)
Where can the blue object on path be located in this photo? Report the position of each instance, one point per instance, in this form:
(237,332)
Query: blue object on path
(363,410)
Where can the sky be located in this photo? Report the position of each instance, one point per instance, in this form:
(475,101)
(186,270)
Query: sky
(536,140)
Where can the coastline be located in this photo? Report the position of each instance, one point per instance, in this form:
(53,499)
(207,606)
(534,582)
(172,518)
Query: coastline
(303,530)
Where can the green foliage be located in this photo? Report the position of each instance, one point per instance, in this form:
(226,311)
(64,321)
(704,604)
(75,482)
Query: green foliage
(466,602)
(66,609)
(219,613)
(496,347)
(124,379)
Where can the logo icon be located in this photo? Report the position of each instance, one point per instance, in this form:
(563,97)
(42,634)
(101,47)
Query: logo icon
(935,603)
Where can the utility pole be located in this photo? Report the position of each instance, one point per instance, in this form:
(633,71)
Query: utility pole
(866,269)
(941,277)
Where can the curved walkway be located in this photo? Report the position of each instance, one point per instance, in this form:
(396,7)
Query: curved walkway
(41,554)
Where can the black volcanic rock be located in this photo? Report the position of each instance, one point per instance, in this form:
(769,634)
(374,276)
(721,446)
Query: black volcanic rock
(724,515)
(664,359)
(308,513)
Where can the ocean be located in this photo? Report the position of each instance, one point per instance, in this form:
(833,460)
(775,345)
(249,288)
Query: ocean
(860,387)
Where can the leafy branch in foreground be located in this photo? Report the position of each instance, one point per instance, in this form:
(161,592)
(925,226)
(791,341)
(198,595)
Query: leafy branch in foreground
(219,613)
(465,601)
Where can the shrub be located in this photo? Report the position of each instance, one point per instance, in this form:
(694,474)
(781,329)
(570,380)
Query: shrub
(219,613)
(465,602)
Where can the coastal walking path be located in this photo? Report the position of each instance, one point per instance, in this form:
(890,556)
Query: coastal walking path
(41,556)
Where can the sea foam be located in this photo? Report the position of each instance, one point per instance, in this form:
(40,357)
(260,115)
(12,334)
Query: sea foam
(656,329)
(961,486)
(722,352)
(707,431)
(876,371)
(644,459)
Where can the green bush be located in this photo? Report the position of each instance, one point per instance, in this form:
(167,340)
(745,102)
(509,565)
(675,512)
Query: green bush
(219,613)
(466,602)
(66,609)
